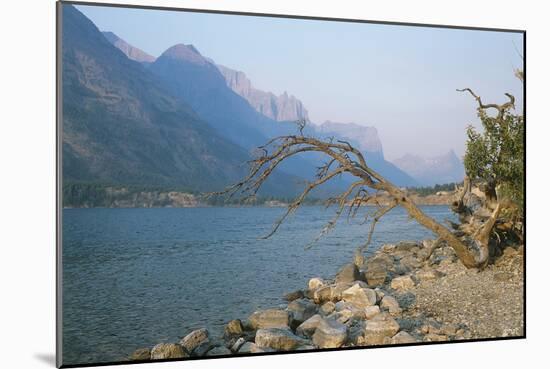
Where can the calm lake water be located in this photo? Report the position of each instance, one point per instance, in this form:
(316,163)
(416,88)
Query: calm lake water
(136,277)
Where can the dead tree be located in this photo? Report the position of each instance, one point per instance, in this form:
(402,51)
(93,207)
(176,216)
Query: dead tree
(342,157)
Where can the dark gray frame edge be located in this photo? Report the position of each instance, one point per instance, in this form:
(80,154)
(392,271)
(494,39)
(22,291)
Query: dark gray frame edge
(289,16)
(59,174)
(59,184)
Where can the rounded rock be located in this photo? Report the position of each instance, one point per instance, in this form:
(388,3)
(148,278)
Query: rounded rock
(168,351)
(330,334)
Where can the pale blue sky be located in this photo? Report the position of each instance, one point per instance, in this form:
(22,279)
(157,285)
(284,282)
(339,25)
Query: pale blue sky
(400,79)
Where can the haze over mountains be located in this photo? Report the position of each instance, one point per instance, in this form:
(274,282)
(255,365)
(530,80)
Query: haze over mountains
(179,119)
(121,125)
(363,137)
(284,107)
(130,51)
(447,168)
(190,76)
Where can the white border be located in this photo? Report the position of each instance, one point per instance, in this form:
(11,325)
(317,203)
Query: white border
(27,154)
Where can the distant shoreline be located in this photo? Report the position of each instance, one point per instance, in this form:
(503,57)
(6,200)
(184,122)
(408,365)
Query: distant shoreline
(204,206)
(106,196)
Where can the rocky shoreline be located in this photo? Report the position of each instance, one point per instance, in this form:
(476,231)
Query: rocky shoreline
(398,296)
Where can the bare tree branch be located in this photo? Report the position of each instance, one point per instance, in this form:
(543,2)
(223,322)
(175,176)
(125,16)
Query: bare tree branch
(296,203)
(500,108)
(332,223)
(377,216)
(344,158)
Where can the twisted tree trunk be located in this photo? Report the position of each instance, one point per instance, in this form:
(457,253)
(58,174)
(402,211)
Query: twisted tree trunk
(463,250)
(343,158)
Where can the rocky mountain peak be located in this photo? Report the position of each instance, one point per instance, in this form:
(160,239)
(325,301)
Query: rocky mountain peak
(186,53)
(284,107)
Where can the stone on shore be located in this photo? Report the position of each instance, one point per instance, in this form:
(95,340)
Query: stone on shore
(347,313)
(141,354)
(410,262)
(402,283)
(305,348)
(218,351)
(322,294)
(301,310)
(278,339)
(168,351)
(390,303)
(372,311)
(347,274)
(380,331)
(428,275)
(308,327)
(382,259)
(339,288)
(238,343)
(343,316)
(448,329)
(194,339)
(376,273)
(295,295)
(327,308)
(308,294)
(270,318)
(330,334)
(432,337)
(202,348)
(250,347)
(403,337)
(407,246)
(424,250)
(233,328)
(359,297)
(315,283)
(357,312)
(431,327)
(379,294)
(334,292)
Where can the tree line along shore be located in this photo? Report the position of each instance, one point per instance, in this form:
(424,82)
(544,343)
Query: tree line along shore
(82,195)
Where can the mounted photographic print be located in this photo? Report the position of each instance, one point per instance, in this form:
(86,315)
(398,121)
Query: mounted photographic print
(238,184)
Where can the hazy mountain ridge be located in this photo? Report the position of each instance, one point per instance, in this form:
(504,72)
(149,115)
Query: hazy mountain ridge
(191,77)
(364,138)
(186,77)
(121,125)
(197,80)
(284,107)
(447,168)
(130,51)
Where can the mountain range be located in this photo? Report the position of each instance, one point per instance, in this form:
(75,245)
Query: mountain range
(122,125)
(447,168)
(190,67)
(180,119)
(284,107)
(363,137)
(130,51)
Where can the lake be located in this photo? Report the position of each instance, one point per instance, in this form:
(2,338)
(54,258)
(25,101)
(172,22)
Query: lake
(136,277)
